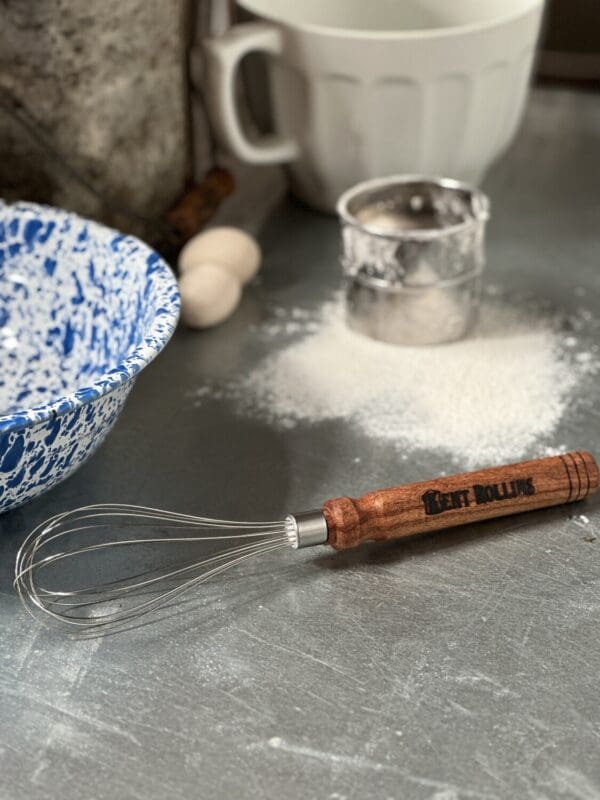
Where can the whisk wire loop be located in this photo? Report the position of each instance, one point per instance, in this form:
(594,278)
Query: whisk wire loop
(109,604)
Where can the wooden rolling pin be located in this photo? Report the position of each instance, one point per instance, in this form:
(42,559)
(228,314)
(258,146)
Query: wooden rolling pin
(459,499)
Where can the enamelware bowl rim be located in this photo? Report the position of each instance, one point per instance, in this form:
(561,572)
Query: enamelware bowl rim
(155,338)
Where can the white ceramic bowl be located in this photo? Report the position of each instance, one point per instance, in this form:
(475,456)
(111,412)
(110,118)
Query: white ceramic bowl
(369,89)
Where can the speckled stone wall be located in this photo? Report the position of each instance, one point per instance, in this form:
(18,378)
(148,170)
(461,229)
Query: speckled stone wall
(95,87)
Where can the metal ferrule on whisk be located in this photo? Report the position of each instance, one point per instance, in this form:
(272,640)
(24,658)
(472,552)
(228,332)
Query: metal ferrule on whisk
(306,529)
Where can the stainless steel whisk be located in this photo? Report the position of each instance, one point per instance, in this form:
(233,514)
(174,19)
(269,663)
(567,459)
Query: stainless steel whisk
(343,523)
(87,607)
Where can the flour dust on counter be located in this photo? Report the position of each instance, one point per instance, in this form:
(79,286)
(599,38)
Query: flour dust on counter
(498,395)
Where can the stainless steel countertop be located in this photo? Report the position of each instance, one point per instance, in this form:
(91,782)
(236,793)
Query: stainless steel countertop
(456,666)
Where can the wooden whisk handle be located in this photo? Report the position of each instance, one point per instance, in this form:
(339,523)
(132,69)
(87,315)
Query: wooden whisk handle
(460,499)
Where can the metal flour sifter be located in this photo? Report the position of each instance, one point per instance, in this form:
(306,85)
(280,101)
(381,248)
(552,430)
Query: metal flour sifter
(413,256)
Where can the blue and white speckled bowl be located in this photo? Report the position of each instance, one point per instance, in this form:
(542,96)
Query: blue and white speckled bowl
(82,310)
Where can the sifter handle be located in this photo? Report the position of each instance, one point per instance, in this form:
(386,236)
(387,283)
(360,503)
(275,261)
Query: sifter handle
(459,499)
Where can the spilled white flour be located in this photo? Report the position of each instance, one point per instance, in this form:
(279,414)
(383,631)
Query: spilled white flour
(487,399)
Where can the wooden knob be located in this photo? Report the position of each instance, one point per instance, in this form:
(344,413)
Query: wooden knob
(459,499)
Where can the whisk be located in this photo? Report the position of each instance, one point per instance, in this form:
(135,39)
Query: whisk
(342,523)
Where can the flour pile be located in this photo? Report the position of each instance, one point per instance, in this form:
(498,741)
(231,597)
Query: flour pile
(487,399)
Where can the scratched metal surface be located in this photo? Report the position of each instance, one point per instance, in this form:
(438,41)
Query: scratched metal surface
(460,666)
